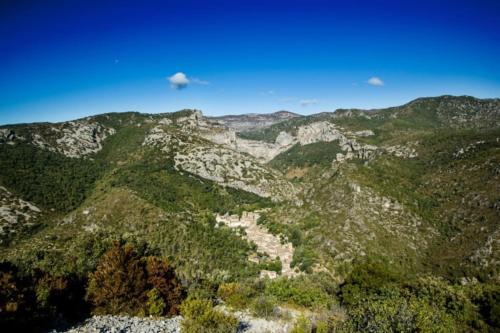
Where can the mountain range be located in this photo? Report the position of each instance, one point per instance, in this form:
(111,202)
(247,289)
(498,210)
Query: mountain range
(281,196)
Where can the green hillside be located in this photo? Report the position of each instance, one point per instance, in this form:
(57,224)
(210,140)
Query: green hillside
(392,214)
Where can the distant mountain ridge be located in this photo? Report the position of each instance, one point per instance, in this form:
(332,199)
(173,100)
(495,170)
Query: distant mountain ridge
(254,121)
(413,188)
(279,205)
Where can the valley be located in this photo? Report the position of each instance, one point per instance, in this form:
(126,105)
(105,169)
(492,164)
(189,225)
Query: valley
(338,217)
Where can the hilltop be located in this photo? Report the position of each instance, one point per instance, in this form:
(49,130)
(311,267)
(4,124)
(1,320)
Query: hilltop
(301,209)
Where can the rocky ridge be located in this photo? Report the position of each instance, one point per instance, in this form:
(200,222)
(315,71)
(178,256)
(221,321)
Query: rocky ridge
(253,121)
(228,159)
(15,213)
(75,139)
(191,152)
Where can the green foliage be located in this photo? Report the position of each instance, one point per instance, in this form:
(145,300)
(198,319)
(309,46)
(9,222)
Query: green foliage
(369,277)
(319,153)
(302,325)
(155,304)
(303,258)
(200,316)
(236,295)
(380,299)
(398,314)
(487,299)
(263,306)
(302,291)
(155,179)
(274,265)
(199,249)
(48,179)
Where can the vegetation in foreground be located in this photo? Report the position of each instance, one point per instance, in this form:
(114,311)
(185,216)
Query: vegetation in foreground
(125,232)
(374,297)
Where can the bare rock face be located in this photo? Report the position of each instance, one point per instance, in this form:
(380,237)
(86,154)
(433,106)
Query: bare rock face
(402,151)
(321,131)
(15,213)
(75,139)
(231,168)
(253,121)
(126,324)
(191,121)
(9,136)
(81,138)
(487,254)
(209,151)
(364,133)
(263,151)
(158,137)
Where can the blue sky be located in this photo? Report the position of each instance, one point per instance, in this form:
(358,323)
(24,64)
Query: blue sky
(61,60)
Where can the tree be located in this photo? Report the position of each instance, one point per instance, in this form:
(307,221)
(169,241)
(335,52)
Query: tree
(161,276)
(118,284)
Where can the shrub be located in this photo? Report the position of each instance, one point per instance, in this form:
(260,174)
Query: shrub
(452,299)
(487,299)
(201,317)
(126,283)
(155,304)
(15,300)
(303,325)
(369,277)
(31,302)
(263,306)
(302,291)
(117,286)
(234,294)
(397,314)
(303,258)
(161,277)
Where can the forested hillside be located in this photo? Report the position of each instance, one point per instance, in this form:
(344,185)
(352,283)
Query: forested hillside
(391,216)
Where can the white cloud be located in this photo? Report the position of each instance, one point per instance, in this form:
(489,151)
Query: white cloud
(307,102)
(178,81)
(376,81)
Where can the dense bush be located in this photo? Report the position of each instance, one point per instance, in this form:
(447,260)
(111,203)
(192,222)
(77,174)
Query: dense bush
(378,298)
(117,285)
(319,153)
(303,258)
(201,317)
(126,283)
(161,277)
(487,299)
(155,179)
(264,306)
(301,291)
(236,295)
(34,301)
(399,314)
